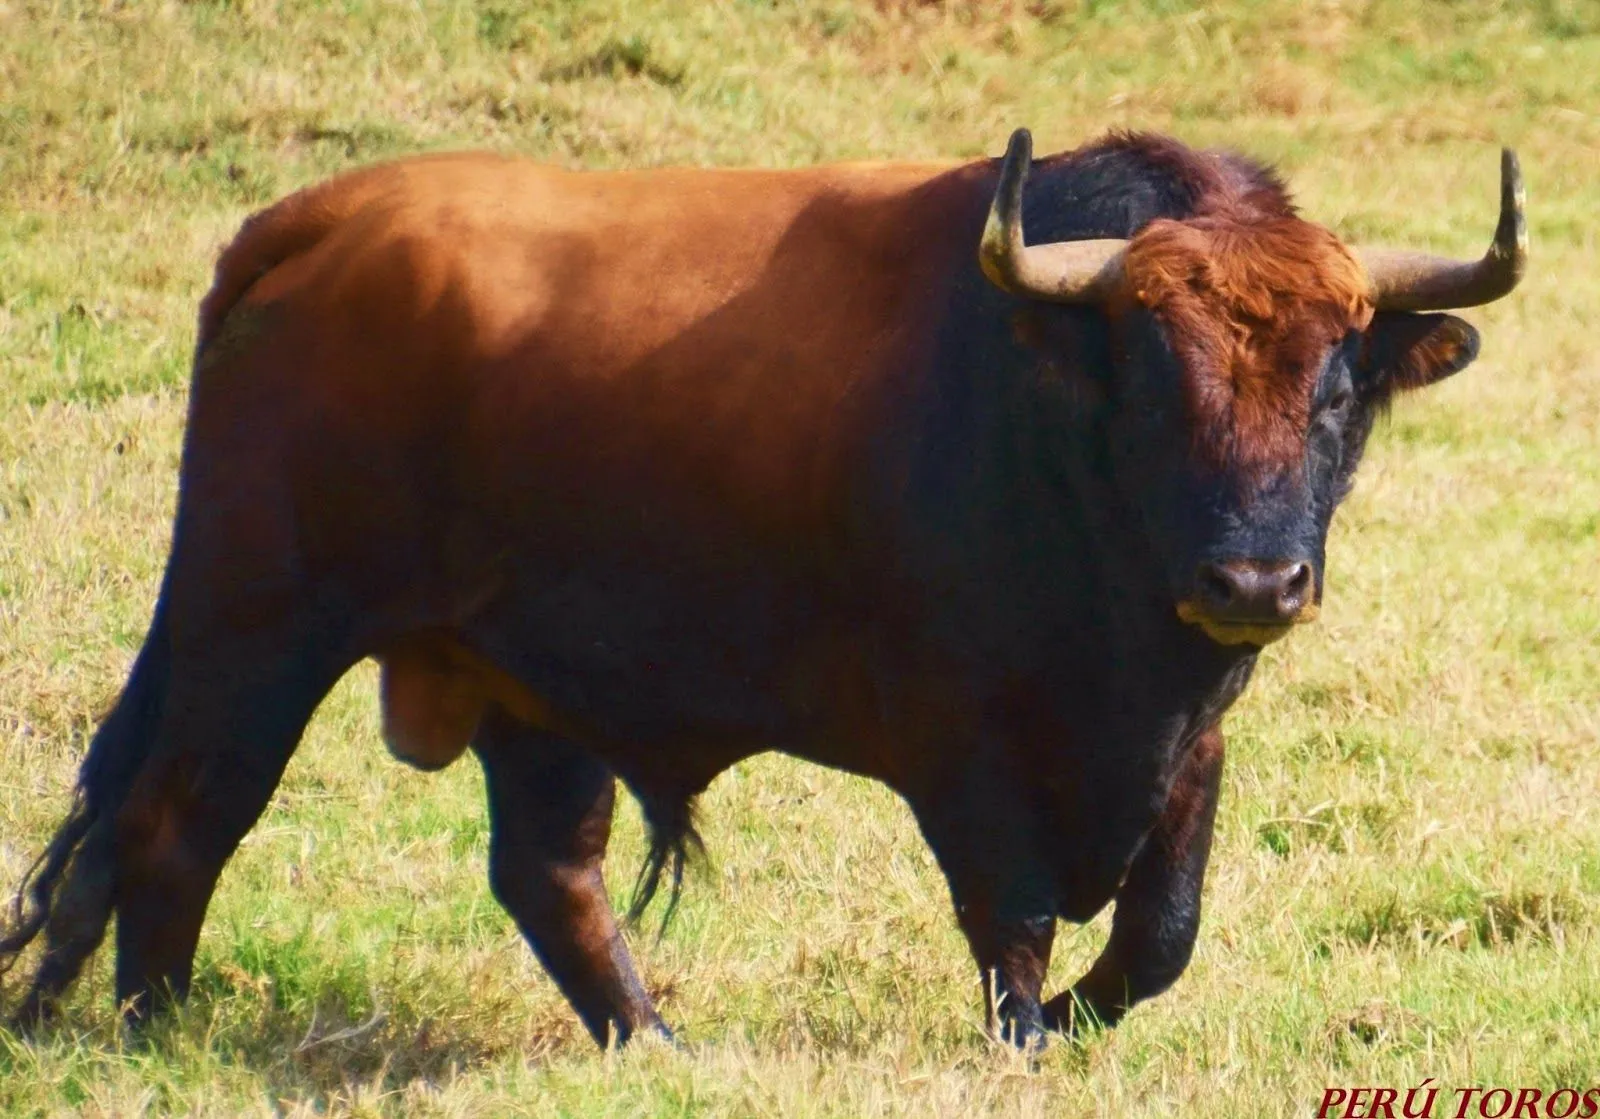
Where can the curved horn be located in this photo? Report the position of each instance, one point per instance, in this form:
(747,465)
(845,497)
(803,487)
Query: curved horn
(1062,272)
(1407,281)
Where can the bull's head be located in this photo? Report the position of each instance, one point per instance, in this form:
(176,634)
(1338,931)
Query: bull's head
(1251,351)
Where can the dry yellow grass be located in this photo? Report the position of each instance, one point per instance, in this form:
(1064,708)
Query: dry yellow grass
(1407,877)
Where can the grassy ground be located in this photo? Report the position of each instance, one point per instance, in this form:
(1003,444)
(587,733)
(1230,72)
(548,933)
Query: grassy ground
(1407,875)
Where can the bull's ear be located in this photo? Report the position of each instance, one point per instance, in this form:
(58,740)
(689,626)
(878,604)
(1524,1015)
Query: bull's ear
(1404,351)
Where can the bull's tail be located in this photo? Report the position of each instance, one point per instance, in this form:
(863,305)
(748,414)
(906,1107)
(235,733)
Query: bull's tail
(67,893)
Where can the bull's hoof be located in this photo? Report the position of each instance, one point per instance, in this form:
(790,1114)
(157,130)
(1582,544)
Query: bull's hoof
(36,1013)
(41,1007)
(1075,1014)
(1025,1032)
(652,1034)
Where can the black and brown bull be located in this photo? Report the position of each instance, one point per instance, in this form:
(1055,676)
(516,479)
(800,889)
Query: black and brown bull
(638,474)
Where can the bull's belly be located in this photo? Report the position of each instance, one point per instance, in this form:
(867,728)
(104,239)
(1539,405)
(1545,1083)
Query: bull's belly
(638,673)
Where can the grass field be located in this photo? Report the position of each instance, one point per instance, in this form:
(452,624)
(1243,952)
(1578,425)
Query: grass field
(1406,882)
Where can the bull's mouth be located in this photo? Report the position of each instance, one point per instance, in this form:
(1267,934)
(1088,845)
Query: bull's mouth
(1229,632)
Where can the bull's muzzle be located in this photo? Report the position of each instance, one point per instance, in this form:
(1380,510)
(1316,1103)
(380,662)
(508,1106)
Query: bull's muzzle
(1250,601)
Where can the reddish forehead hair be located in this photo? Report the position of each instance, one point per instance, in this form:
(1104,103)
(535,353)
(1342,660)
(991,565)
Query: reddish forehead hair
(1251,298)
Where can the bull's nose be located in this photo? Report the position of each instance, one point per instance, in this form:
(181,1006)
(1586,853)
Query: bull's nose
(1254,591)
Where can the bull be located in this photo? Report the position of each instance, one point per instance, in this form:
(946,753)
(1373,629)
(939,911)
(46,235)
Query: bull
(634,475)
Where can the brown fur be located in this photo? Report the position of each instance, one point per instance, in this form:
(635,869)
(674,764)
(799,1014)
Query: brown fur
(1252,297)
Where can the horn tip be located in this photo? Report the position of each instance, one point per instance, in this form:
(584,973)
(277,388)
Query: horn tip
(1511,177)
(1513,200)
(1006,210)
(1020,146)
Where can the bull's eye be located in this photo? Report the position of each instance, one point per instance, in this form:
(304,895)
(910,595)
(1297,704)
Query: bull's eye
(1339,403)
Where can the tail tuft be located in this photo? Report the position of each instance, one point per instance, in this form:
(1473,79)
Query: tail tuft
(672,836)
(66,893)
(35,899)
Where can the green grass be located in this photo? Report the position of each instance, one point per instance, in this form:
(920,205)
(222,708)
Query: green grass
(1406,881)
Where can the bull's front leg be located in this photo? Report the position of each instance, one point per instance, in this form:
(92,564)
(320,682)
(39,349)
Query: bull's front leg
(1157,914)
(1013,954)
(1004,894)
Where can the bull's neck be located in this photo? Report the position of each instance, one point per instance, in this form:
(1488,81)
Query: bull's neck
(1022,545)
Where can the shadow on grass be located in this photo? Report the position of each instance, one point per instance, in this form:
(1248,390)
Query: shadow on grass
(336,1049)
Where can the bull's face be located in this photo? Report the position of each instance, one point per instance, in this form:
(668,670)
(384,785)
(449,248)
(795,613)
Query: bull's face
(1250,354)
(1248,365)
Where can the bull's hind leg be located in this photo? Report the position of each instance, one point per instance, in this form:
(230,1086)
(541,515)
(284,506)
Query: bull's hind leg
(550,805)
(234,712)
(1157,914)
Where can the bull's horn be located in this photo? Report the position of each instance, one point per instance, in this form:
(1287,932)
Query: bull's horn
(1062,272)
(1405,281)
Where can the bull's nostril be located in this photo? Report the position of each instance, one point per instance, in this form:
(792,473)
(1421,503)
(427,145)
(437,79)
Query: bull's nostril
(1294,590)
(1215,586)
(1299,580)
